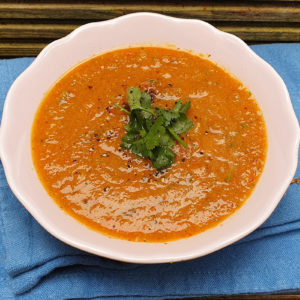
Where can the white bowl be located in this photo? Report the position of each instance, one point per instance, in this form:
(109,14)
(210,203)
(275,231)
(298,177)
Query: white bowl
(228,51)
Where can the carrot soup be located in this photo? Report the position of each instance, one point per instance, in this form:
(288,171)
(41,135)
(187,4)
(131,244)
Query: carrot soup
(81,160)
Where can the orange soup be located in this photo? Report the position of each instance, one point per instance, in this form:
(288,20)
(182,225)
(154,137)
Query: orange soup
(77,134)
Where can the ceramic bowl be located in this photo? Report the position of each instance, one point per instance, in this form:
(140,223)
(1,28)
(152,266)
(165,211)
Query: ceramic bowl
(225,49)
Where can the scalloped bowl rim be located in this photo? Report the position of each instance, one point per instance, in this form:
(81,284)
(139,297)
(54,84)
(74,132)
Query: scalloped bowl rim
(129,251)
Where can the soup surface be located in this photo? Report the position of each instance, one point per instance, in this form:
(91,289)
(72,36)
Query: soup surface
(77,134)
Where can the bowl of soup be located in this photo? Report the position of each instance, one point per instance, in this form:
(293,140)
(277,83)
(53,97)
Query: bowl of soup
(149,139)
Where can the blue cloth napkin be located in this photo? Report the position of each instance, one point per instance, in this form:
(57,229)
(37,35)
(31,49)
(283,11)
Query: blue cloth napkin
(35,265)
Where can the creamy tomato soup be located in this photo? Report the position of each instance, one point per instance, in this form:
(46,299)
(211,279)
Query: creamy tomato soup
(77,134)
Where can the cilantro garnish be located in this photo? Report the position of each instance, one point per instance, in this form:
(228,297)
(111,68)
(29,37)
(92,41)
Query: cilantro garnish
(152,131)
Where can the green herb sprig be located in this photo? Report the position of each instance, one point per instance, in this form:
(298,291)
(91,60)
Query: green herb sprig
(152,131)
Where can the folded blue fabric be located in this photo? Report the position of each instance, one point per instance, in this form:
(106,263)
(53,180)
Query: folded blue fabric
(35,265)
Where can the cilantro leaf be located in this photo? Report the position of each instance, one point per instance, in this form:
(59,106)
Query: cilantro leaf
(167,115)
(164,157)
(128,139)
(154,134)
(139,148)
(135,123)
(185,107)
(151,132)
(182,124)
(177,106)
(136,98)
(181,107)
(146,100)
(166,140)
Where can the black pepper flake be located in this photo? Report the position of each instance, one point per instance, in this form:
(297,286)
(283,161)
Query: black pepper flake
(95,134)
(206,132)
(98,140)
(170,84)
(201,152)
(90,87)
(129,166)
(74,160)
(183,160)
(152,92)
